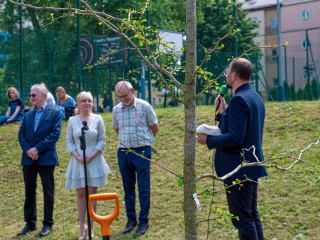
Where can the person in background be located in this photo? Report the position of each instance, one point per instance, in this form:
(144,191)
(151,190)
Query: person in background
(50,99)
(63,99)
(136,125)
(62,111)
(97,168)
(38,134)
(241,125)
(107,103)
(16,108)
(172,103)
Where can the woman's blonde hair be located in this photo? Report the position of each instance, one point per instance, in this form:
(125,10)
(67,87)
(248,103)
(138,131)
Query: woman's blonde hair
(13,89)
(61,90)
(80,97)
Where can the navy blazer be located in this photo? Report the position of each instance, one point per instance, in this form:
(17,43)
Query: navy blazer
(43,139)
(241,126)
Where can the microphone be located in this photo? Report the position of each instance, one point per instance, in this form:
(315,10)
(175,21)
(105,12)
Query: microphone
(85,125)
(222,92)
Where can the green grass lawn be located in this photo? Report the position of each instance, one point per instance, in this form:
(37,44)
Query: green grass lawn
(292,212)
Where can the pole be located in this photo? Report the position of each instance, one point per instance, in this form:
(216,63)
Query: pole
(307,66)
(281,88)
(138,78)
(49,60)
(97,76)
(257,71)
(79,47)
(21,52)
(149,69)
(83,148)
(294,80)
(235,39)
(110,80)
(285,63)
(143,81)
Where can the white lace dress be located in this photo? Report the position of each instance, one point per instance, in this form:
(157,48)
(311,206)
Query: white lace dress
(97,169)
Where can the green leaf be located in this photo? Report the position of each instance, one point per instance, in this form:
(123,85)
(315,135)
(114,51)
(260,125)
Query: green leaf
(180,182)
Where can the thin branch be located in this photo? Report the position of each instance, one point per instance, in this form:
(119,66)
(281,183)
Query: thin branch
(75,10)
(237,183)
(260,164)
(243,54)
(218,43)
(207,176)
(107,22)
(209,219)
(132,151)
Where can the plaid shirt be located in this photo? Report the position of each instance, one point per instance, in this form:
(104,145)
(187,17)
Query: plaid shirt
(133,123)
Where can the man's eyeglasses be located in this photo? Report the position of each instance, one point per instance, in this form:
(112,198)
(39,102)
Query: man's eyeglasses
(225,73)
(33,95)
(123,96)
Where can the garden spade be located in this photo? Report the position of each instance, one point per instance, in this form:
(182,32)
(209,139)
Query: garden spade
(104,221)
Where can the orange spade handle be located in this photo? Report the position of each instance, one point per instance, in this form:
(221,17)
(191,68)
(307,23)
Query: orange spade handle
(104,221)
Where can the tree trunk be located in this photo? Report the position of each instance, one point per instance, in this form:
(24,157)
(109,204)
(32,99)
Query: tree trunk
(189,173)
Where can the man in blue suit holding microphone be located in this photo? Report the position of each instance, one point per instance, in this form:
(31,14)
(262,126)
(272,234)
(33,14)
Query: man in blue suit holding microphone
(38,134)
(241,125)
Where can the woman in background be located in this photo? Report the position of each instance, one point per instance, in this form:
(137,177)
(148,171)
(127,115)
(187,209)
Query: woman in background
(15,111)
(63,99)
(97,168)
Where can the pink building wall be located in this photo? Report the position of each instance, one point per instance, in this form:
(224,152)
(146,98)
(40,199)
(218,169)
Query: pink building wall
(293,29)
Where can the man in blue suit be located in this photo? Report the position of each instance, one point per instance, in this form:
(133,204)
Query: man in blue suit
(241,125)
(38,134)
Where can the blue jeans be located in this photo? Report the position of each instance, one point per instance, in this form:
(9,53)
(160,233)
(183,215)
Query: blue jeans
(3,119)
(243,203)
(131,165)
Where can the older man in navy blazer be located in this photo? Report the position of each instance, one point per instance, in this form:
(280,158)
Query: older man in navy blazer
(241,125)
(38,134)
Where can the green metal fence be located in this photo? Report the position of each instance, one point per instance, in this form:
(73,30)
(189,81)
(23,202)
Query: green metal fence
(30,55)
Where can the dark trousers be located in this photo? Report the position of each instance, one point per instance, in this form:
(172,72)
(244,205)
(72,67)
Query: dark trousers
(130,166)
(30,180)
(243,203)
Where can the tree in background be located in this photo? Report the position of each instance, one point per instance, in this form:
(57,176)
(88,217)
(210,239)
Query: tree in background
(315,89)
(216,23)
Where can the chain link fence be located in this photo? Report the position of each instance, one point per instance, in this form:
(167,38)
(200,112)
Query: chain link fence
(56,59)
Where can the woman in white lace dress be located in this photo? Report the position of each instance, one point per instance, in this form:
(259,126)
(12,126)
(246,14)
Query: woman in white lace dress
(97,168)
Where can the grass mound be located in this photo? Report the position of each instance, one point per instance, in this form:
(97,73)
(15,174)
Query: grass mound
(292,212)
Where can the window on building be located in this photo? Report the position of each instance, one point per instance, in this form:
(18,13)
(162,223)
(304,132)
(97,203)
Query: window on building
(273,25)
(253,19)
(160,100)
(305,14)
(153,102)
(275,82)
(303,44)
(153,87)
(274,55)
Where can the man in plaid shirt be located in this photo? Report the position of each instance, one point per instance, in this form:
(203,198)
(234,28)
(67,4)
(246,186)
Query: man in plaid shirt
(136,125)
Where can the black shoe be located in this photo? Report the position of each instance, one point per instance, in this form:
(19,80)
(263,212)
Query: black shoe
(46,230)
(130,225)
(27,228)
(142,228)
